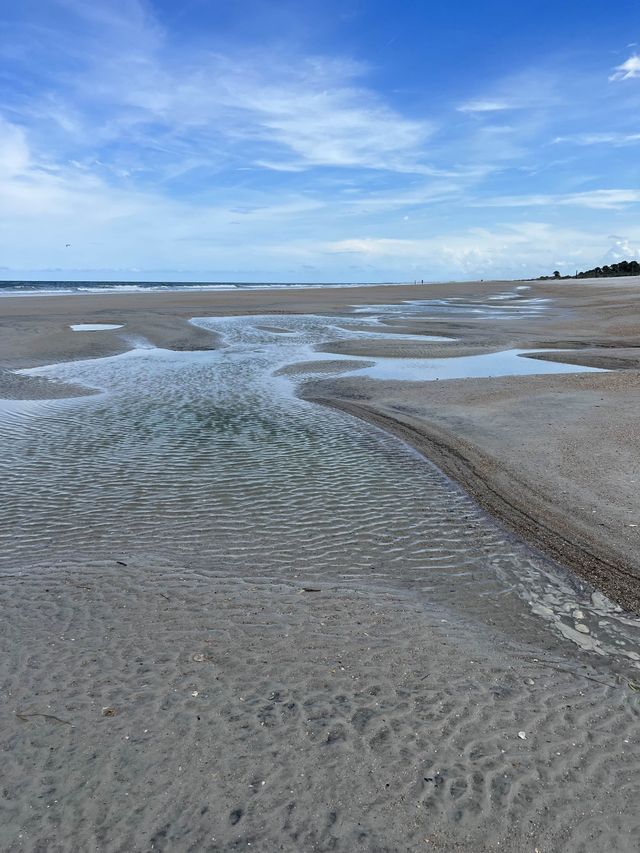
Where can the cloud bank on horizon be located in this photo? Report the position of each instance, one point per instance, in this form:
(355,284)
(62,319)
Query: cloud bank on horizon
(326,141)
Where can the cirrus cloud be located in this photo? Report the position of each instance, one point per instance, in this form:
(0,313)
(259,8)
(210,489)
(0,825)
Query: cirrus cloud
(605,199)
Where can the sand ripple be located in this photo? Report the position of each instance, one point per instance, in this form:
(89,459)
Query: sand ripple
(311,640)
(210,455)
(165,709)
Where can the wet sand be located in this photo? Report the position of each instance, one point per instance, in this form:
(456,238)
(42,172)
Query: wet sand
(152,707)
(35,329)
(553,457)
(154,704)
(563,452)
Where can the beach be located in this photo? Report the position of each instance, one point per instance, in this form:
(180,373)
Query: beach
(257,616)
(586,424)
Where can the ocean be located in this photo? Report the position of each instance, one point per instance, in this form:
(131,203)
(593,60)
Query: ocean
(45,288)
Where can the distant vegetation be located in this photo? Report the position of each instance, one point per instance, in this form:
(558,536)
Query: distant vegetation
(623,268)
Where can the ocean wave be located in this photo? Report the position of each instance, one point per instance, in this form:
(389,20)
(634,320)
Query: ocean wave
(68,288)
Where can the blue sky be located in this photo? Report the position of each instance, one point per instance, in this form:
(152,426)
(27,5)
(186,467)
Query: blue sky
(262,140)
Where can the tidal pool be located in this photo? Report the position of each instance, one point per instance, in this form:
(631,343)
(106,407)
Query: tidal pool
(211,458)
(95,327)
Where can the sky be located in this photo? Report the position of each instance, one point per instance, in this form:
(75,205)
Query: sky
(325,140)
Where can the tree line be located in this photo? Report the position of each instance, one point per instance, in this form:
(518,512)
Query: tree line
(607,271)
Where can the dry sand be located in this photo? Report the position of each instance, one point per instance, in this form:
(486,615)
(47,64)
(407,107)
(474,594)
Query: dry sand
(157,706)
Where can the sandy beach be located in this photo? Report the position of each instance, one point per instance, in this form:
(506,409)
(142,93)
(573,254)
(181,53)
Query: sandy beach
(182,691)
(566,446)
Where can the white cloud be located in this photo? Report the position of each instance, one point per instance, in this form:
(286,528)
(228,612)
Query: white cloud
(521,250)
(288,113)
(480,106)
(622,250)
(109,226)
(607,138)
(526,91)
(437,191)
(609,199)
(323,118)
(517,250)
(276,109)
(630,68)
(14,151)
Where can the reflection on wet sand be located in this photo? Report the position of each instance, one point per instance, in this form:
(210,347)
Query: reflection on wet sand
(212,452)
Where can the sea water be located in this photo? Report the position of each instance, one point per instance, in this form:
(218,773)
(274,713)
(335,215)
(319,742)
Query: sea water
(210,459)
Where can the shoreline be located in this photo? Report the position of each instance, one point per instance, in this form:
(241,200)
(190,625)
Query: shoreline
(592,319)
(471,470)
(35,329)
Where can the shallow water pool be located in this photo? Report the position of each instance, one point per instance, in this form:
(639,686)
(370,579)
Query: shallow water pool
(211,458)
